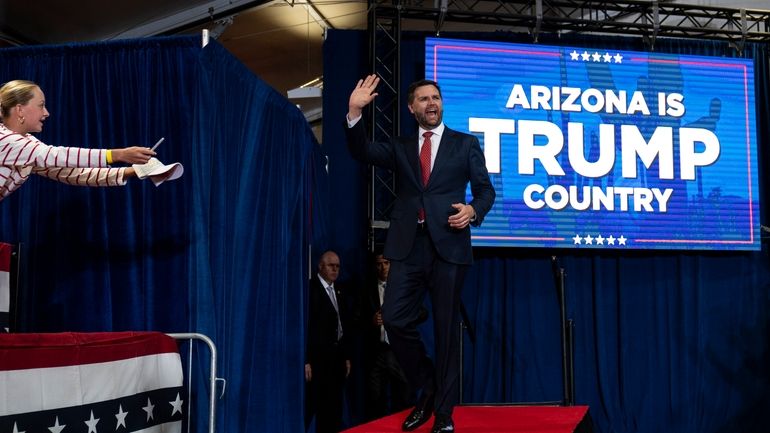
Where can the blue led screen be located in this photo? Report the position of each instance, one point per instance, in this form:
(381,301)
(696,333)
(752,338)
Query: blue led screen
(606,149)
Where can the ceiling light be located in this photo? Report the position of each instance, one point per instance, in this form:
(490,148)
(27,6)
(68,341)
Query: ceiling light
(311,89)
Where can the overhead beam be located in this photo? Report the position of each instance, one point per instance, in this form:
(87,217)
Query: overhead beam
(318,17)
(630,17)
(190,17)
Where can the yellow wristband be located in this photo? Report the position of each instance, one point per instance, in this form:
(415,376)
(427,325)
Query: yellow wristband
(109,156)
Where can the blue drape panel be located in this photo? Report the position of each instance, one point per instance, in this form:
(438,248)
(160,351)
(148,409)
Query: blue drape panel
(346,206)
(665,341)
(221,251)
(105,258)
(250,199)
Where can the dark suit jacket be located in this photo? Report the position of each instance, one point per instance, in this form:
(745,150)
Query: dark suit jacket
(322,323)
(459,161)
(369,306)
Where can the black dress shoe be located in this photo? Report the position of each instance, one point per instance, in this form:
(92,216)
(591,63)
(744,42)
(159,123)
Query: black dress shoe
(420,414)
(443,424)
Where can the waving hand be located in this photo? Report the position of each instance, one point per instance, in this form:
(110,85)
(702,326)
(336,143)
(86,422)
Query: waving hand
(362,95)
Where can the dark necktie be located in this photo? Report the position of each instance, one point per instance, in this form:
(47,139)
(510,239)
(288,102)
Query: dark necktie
(425,166)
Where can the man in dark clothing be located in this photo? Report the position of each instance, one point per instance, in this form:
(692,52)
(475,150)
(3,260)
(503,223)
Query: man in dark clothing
(327,362)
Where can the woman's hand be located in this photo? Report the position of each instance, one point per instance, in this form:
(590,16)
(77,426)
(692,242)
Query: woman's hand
(132,155)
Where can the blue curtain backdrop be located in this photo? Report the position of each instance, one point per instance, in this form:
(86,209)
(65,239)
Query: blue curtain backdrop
(221,251)
(664,341)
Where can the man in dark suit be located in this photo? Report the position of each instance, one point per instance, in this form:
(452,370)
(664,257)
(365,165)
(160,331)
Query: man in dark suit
(387,389)
(327,354)
(429,240)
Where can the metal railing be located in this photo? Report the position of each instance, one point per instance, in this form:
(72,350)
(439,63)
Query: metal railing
(212,375)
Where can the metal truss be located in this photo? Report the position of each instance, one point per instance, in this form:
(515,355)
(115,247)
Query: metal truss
(647,19)
(641,18)
(385,42)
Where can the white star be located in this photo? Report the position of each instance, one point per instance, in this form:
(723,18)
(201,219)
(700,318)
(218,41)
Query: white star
(15,429)
(607,57)
(611,240)
(574,55)
(56,428)
(176,404)
(121,416)
(589,240)
(91,423)
(599,240)
(618,58)
(596,56)
(577,239)
(585,56)
(149,409)
(621,240)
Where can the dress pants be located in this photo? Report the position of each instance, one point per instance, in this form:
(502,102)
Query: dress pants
(386,379)
(424,271)
(325,391)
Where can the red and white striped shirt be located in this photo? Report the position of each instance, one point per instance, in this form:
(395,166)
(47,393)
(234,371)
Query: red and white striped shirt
(21,155)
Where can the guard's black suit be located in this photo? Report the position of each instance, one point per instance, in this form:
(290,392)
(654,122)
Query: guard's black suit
(387,388)
(326,356)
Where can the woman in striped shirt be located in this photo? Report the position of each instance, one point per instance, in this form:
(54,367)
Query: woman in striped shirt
(22,111)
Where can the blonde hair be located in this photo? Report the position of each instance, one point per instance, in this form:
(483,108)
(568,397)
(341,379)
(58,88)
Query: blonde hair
(14,93)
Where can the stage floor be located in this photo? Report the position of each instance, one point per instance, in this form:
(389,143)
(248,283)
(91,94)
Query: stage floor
(496,419)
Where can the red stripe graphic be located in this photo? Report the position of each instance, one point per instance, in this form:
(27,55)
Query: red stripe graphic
(25,351)
(5,257)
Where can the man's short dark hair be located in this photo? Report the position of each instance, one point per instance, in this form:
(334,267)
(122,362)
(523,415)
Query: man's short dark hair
(420,83)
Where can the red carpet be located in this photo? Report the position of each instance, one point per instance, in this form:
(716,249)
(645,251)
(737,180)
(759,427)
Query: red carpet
(495,419)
